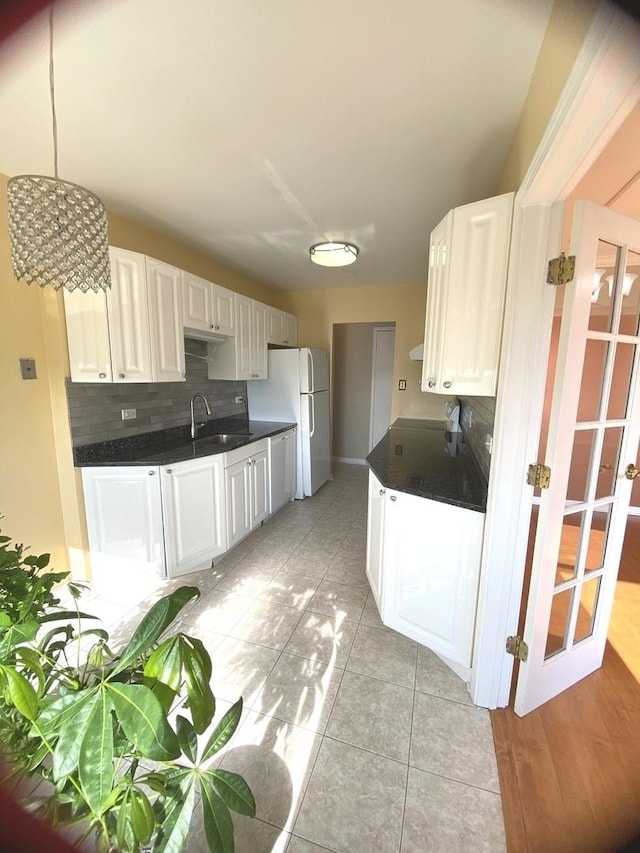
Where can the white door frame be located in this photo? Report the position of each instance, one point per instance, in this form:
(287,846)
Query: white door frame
(603,87)
(375,378)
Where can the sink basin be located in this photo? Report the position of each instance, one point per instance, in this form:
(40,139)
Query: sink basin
(218,438)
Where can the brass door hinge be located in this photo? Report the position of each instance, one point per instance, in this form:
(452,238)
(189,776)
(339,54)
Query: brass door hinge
(561,270)
(539,475)
(517,647)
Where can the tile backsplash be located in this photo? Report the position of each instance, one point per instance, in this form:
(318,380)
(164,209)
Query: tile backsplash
(477,416)
(95,409)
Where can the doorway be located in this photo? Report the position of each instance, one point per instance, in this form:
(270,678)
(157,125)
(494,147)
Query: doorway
(362,383)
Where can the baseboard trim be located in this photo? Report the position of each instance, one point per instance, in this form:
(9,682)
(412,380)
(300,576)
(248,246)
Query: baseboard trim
(349,461)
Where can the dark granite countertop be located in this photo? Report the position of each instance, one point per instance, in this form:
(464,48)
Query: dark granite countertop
(423,459)
(168,446)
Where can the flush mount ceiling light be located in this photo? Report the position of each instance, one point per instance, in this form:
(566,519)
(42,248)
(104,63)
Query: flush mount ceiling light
(57,230)
(333,254)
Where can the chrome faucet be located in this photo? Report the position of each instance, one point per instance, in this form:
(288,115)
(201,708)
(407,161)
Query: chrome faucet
(194,425)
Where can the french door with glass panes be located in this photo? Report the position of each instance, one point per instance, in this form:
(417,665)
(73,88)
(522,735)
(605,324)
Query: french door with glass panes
(592,449)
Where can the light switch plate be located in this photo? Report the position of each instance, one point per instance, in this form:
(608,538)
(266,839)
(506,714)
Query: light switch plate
(28,368)
(128,414)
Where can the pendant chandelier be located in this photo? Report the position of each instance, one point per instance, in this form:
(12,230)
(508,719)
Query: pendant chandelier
(57,230)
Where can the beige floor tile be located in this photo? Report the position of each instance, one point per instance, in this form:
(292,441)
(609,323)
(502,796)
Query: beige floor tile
(311,563)
(338,599)
(252,835)
(217,611)
(454,741)
(374,715)
(300,691)
(267,623)
(241,669)
(384,654)
(246,579)
(271,555)
(370,615)
(442,815)
(322,638)
(275,759)
(433,676)
(348,570)
(289,588)
(300,845)
(354,801)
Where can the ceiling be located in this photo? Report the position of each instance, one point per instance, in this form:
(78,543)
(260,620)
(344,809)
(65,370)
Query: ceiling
(251,130)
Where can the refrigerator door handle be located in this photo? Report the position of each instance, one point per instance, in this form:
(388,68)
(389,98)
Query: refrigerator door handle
(312,383)
(312,416)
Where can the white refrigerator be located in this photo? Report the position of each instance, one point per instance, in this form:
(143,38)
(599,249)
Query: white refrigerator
(298,390)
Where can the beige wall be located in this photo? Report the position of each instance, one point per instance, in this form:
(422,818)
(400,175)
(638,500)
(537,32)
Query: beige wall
(318,310)
(352,366)
(40,494)
(567,28)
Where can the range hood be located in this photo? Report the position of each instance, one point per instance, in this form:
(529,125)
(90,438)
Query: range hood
(417,353)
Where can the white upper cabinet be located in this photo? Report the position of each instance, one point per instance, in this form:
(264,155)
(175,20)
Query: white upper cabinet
(244,357)
(208,307)
(164,285)
(128,312)
(468,256)
(88,335)
(282,328)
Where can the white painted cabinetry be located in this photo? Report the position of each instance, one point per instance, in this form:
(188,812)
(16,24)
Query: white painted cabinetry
(194,506)
(244,357)
(468,255)
(282,469)
(131,333)
(282,328)
(423,562)
(208,307)
(247,489)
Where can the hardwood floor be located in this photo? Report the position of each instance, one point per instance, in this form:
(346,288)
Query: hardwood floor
(570,770)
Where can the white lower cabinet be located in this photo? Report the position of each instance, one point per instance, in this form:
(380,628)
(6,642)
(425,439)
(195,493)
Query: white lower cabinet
(423,562)
(246,479)
(282,469)
(194,507)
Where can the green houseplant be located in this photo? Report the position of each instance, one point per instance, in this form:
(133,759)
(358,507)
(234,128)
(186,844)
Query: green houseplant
(111,741)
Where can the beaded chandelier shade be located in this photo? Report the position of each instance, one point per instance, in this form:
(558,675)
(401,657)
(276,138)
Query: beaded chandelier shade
(57,230)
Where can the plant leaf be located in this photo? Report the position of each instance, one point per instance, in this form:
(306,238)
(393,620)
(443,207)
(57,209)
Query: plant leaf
(61,615)
(155,623)
(31,659)
(142,819)
(233,791)
(187,738)
(62,711)
(176,823)
(67,752)
(95,762)
(20,693)
(197,672)
(218,826)
(223,731)
(143,720)
(162,672)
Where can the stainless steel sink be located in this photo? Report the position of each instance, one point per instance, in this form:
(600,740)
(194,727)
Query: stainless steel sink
(218,438)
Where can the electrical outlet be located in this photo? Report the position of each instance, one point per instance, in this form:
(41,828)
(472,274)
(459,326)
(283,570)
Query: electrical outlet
(402,385)
(239,399)
(128,414)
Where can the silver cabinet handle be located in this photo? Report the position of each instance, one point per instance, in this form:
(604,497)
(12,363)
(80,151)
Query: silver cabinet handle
(248,462)
(102,376)
(382,491)
(121,375)
(216,327)
(169,471)
(211,325)
(431,383)
(151,473)
(446,384)
(392,498)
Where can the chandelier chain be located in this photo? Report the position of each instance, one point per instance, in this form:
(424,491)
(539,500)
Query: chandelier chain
(54,119)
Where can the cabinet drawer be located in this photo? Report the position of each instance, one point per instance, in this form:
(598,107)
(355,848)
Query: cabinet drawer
(245,452)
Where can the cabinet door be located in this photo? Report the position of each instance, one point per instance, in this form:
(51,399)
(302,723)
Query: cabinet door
(259,368)
(87,336)
(124,522)
(290,336)
(197,303)
(164,284)
(375,538)
(223,310)
(431,568)
(193,498)
(243,339)
(259,488)
(434,327)
(238,491)
(128,312)
(275,326)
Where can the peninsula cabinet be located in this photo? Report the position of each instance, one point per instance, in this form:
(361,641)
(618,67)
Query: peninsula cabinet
(132,332)
(208,308)
(194,508)
(468,256)
(423,562)
(246,478)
